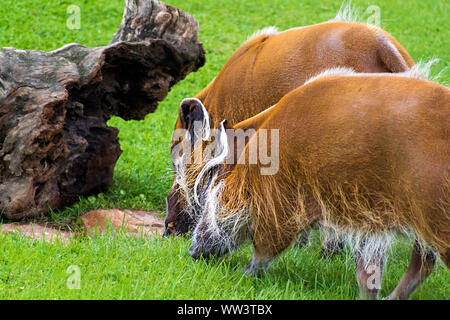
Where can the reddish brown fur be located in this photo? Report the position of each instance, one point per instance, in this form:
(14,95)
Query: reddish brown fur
(267,67)
(365,153)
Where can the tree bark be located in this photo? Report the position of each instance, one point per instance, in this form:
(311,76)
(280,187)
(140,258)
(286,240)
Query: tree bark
(54,142)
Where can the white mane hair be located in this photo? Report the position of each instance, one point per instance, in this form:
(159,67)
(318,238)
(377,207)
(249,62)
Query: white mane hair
(420,71)
(225,228)
(371,248)
(180,180)
(347,14)
(268,31)
(331,72)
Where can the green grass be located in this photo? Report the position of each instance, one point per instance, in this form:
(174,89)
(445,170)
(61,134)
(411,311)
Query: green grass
(121,267)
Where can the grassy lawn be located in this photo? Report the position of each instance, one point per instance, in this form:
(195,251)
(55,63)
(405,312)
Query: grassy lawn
(127,268)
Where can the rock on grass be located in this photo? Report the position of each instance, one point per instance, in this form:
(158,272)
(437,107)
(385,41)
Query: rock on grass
(36,231)
(139,223)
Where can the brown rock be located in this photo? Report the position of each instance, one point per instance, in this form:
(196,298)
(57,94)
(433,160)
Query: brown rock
(36,231)
(135,222)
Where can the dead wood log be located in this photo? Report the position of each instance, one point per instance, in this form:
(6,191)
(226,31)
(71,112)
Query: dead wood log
(54,142)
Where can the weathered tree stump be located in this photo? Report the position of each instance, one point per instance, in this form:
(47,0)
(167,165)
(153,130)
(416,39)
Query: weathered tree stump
(54,141)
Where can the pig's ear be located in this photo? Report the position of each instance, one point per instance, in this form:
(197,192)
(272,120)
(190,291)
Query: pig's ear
(195,119)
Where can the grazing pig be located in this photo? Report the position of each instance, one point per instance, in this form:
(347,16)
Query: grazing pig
(264,69)
(366,156)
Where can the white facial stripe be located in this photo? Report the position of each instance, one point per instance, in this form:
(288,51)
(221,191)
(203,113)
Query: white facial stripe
(223,143)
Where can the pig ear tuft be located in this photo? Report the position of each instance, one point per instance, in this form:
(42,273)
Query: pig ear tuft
(195,118)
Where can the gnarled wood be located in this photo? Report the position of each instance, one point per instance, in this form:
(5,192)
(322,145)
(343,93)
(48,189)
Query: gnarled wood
(54,141)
